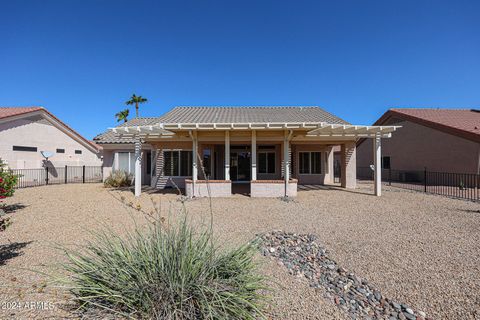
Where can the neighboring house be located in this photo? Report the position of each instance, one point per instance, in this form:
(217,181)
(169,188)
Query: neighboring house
(267,149)
(441,140)
(26,131)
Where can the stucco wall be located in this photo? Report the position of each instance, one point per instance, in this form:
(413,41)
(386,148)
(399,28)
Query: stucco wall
(38,132)
(414,147)
(109,158)
(327,164)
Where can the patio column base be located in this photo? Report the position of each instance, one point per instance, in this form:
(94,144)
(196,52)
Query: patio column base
(273,188)
(208,188)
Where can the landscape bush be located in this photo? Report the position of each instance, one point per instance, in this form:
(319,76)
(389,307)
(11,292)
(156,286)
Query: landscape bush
(169,271)
(8,181)
(118,178)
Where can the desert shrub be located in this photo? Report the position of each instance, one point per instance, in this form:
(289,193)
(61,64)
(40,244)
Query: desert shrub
(8,181)
(118,178)
(167,272)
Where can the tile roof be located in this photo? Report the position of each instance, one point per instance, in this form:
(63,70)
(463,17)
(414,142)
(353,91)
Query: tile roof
(204,114)
(254,114)
(14,111)
(461,122)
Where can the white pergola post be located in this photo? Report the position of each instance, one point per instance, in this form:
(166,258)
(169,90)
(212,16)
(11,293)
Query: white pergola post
(377,162)
(194,161)
(253,159)
(286,162)
(227,155)
(138,167)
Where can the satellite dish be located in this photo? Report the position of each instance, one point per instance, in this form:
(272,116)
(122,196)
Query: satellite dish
(47,154)
(372,167)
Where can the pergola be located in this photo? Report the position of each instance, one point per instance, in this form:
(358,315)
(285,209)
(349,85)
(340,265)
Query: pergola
(314,129)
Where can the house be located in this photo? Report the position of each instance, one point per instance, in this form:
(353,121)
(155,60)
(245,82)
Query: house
(440,140)
(267,150)
(27,131)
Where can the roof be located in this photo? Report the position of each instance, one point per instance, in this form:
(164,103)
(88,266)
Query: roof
(7,112)
(464,123)
(225,115)
(254,114)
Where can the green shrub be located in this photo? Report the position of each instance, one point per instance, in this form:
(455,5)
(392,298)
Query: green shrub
(173,272)
(8,181)
(118,178)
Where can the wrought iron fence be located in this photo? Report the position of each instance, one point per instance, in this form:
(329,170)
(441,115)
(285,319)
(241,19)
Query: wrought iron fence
(456,185)
(58,175)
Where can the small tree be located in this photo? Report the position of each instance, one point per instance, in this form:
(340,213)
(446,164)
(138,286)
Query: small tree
(136,100)
(122,115)
(8,181)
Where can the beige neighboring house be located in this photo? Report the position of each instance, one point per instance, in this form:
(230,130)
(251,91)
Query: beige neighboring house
(26,131)
(440,140)
(262,151)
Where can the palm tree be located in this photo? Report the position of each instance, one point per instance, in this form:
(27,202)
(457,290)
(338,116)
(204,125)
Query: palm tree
(136,100)
(122,115)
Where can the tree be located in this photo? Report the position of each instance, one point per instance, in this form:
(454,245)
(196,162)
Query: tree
(122,115)
(136,100)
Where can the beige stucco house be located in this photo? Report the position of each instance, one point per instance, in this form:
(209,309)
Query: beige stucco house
(26,131)
(209,151)
(440,140)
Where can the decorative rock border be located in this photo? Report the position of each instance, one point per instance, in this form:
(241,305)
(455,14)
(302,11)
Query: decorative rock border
(304,257)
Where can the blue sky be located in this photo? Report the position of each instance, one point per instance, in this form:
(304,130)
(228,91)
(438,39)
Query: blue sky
(83,59)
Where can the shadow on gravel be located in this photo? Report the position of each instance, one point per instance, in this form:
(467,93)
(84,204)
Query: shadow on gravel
(12,207)
(11,250)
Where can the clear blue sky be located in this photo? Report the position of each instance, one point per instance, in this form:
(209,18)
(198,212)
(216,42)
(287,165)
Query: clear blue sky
(83,59)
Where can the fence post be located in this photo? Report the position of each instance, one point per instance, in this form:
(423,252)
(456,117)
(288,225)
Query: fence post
(425,179)
(46,177)
(83,176)
(66,174)
(389,176)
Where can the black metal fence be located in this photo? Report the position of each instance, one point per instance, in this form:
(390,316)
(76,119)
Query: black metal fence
(456,185)
(58,175)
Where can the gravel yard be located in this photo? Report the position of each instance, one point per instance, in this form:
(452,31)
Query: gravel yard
(417,249)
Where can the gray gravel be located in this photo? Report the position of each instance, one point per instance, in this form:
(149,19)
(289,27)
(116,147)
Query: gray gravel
(419,249)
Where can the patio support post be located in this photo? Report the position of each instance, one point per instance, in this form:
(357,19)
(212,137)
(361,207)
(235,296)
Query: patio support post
(227,155)
(254,155)
(194,161)
(286,160)
(138,167)
(377,156)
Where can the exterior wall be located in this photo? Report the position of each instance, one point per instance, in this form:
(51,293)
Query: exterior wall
(414,147)
(214,188)
(272,188)
(159,180)
(348,157)
(36,131)
(109,160)
(327,164)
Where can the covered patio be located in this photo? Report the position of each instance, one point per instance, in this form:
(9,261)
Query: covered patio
(265,159)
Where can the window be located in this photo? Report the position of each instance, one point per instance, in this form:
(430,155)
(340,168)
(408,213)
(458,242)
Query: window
(177,163)
(22,148)
(78,151)
(266,162)
(60,150)
(126,162)
(386,162)
(310,163)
